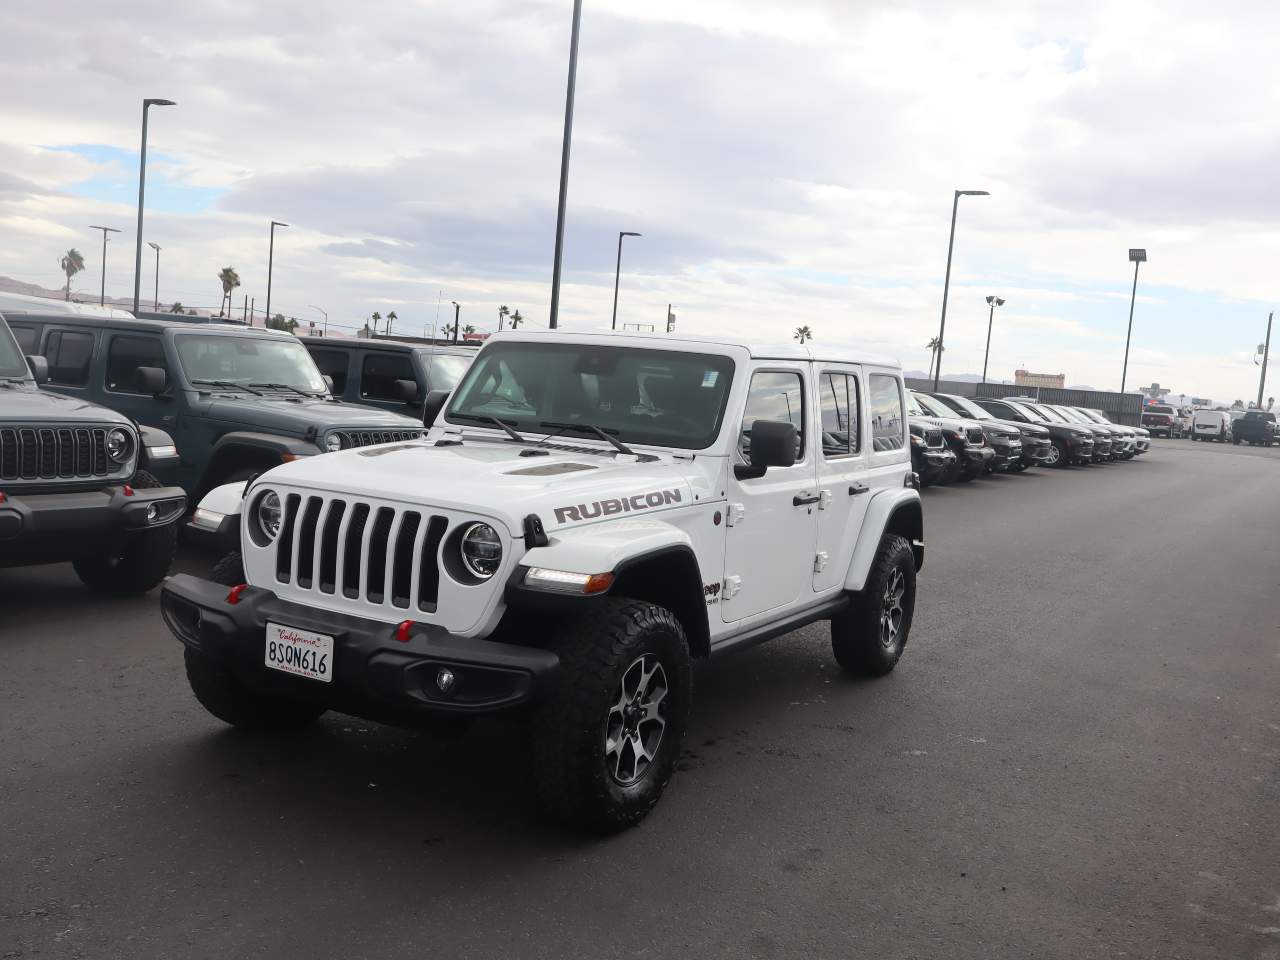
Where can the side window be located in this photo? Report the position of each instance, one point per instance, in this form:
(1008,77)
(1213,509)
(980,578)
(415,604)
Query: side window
(838,401)
(125,355)
(381,371)
(27,337)
(774,395)
(884,403)
(333,364)
(68,353)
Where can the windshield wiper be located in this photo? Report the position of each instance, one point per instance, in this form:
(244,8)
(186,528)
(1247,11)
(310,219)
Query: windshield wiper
(592,429)
(502,425)
(285,386)
(228,385)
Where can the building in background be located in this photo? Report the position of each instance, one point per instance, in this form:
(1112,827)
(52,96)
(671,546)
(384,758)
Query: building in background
(1155,393)
(1025,378)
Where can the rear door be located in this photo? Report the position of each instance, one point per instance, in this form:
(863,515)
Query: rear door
(843,482)
(70,350)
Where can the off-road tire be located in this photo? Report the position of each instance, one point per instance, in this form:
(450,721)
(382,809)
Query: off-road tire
(232,702)
(140,562)
(229,571)
(571,775)
(858,637)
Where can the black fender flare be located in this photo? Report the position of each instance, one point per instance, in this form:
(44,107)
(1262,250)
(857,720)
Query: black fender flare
(262,447)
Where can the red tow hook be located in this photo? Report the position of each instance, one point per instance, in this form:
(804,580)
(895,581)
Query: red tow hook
(233,596)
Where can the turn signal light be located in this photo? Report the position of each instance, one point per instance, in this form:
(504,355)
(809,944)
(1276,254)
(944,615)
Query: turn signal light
(599,583)
(233,595)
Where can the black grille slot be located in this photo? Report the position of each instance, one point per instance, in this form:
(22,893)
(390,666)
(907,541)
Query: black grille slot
(307,542)
(66,454)
(402,559)
(8,454)
(377,563)
(429,572)
(329,546)
(99,452)
(30,454)
(48,454)
(84,453)
(351,557)
(284,548)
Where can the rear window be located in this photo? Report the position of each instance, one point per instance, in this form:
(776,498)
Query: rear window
(1160,408)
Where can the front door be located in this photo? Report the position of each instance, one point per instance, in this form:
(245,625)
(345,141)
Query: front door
(843,481)
(772,519)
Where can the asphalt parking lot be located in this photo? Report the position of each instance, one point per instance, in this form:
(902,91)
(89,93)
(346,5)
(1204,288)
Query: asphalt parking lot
(1077,757)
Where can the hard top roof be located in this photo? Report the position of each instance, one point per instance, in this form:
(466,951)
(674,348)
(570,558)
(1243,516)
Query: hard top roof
(154,326)
(379,343)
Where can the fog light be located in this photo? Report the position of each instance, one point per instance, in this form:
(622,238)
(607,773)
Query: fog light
(153,513)
(445,680)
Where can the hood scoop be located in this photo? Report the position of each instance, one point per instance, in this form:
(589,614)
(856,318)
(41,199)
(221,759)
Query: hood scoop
(550,469)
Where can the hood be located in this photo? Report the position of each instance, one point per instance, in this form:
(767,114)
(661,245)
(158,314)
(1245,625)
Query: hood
(1025,429)
(494,479)
(295,415)
(996,428)
(27,403)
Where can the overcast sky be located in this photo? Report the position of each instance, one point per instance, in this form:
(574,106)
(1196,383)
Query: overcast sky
(787,162)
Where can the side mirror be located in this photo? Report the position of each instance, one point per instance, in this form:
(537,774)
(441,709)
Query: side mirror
(436,400)
(774,443)
(328,382)
(39,368)
(152,380)
(406,390)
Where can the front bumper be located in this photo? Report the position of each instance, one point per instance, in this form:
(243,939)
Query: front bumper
(53,527)
(976,458)
(1035,451)
(1005,454)
(374,675)
(932,463)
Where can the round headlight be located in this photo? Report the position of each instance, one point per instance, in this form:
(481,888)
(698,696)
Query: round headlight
(481,550)
(333,443)
(268,515)
(119,445)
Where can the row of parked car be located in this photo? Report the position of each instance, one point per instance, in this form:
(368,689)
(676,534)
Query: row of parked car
(1254,427)
(955,438)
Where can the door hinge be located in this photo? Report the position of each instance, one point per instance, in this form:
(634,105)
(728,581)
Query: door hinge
(820,561)
(736,512)
(731,587)
(824,498)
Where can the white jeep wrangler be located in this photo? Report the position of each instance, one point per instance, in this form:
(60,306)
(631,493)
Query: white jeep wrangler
(588,514)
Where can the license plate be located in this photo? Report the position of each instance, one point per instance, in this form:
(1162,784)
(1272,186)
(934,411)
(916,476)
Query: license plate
(299,652)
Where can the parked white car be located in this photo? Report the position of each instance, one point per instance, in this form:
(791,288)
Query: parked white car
(1211,425)
(590,513)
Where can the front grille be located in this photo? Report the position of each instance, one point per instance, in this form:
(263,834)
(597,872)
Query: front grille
(382,555)
(933,438)
(34,452)
(367,438)
(975,435)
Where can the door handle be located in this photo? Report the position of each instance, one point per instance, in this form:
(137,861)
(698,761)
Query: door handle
(857,488)
(805,499)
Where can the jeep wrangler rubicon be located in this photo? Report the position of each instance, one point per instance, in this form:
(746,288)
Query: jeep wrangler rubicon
(75,484)
(587,514)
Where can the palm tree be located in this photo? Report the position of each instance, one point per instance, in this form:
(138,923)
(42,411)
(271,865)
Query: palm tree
(503,313)
(375,318)
(72,263)
(229,279)
(803,334)
(177,307)
(516,319)
(391,318)
(468,328)
(934,347)
(280,322)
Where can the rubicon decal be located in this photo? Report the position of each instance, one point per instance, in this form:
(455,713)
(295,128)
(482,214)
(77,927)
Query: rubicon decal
(606,508)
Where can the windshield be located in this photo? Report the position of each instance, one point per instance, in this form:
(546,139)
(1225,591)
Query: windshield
(965,407)
(1068,414)
(661,397)
(249,360)
(444,370)
(932,407)
(1047,414)
(1095,415)
(913,408)
(12,363)
(1159,408)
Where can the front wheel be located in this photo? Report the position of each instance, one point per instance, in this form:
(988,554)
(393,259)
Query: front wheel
(1057,457)
(605,747)
(138,563)
(868,638)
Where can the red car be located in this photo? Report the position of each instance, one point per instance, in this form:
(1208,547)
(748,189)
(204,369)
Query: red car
(1162,418)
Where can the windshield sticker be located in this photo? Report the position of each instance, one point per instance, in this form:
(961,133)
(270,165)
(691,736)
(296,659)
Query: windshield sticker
(710,377)
(605,508)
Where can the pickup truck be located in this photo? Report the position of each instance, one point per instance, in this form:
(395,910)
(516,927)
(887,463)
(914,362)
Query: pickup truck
(1256,428)
(1162,418)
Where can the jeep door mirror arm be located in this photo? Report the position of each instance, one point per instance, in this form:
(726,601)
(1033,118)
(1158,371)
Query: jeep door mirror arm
(431,408)
(39,367)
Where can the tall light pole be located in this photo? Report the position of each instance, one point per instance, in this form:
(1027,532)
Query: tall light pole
(102,296)
(156,248)
(946,283)
(326,318)
(271,257)
(142,183)
(564,162)
(457,310)
(992,302)
(1136,257)
(617,273)
(1266,351)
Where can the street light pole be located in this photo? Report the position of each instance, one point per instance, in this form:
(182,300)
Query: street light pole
(564,163)
(992,302)
(156,248)
(271,257)
(102,296)
(1137,257)
(326,318)
(457,310)
(617,273)
(142,183)
(946,283)
(1266,350)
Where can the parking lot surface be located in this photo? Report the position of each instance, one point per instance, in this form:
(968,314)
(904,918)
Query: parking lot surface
(1077,757)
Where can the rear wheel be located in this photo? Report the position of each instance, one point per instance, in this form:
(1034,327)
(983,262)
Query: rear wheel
(140,561)
(869,637)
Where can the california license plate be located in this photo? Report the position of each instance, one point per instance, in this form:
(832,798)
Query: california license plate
(299,652)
